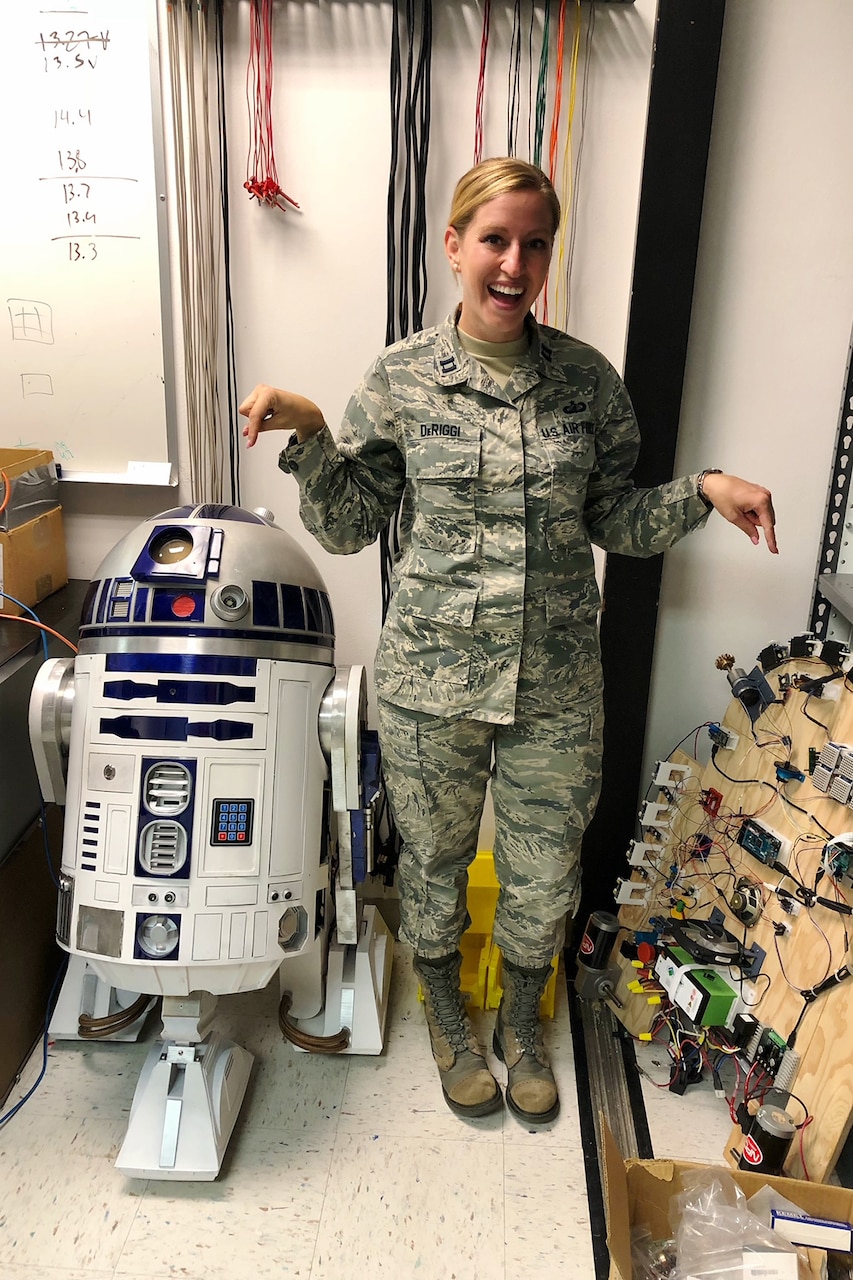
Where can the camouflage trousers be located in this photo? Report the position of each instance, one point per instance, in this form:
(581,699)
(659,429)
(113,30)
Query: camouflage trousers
(545,774)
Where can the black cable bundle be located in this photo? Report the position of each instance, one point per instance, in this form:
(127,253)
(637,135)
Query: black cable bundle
(406,249)
(234,430)
(513,88)
(406,234)
(407,286)
(407,278)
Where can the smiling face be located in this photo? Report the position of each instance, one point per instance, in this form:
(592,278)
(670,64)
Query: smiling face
(502,259)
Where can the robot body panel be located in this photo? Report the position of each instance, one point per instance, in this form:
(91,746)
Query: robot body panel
(194,829)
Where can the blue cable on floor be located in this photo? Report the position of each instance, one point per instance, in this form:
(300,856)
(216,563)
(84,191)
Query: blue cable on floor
(5,596)
(13,1111)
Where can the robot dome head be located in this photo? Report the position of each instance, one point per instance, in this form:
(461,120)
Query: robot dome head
(213,571)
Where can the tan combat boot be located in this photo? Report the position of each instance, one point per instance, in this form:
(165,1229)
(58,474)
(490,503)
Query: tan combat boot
(468,1085)
(531,1090)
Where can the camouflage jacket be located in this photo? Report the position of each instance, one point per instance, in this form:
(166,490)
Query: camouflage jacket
(501,493)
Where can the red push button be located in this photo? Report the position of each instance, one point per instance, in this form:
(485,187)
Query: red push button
(183,606)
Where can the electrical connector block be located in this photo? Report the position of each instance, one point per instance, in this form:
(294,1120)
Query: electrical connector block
(641,854)
(668,774)
(632,893)
(655,816)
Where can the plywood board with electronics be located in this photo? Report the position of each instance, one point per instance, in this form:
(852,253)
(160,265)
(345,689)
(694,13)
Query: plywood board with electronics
(737,914)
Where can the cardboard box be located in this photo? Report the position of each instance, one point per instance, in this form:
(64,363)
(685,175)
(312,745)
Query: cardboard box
(33,486)
(32,560)
(638,1193)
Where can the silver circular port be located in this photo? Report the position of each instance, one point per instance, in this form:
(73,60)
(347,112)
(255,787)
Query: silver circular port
(229,603)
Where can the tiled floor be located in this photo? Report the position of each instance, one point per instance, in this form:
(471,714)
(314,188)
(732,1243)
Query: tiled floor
(338,1168)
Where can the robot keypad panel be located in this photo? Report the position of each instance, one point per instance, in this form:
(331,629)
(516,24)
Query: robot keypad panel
(232,822)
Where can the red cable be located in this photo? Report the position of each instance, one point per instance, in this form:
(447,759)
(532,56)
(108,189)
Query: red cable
(555,124)
(558,94)
(481,83)
(261,174)
(803,1127)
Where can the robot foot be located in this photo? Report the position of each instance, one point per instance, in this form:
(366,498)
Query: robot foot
(184,1110)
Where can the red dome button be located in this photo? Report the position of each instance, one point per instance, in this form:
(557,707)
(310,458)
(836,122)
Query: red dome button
(183,606)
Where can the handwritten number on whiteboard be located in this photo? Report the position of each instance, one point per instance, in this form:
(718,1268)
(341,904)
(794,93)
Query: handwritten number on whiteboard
(78,252)
(71,161)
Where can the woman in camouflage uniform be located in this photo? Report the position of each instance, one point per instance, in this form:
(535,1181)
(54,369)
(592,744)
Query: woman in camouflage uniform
(509,447)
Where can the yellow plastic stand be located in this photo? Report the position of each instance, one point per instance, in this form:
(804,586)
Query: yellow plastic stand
(480,977)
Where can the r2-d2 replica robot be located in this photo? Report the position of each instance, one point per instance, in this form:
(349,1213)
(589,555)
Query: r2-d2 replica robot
(218,777)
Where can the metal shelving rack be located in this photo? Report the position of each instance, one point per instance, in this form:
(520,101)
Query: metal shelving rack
(832,607)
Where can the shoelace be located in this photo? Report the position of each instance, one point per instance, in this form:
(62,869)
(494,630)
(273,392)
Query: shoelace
(449,1012)
(524,1018)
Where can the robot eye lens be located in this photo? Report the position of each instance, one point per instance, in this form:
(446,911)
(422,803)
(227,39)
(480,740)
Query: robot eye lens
(171,546)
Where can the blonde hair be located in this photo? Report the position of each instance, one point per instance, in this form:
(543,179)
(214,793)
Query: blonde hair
(498,177)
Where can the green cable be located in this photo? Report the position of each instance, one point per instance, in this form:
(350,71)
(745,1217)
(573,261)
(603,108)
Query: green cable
(542,87)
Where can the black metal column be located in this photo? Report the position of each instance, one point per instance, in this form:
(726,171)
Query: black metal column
(681,107)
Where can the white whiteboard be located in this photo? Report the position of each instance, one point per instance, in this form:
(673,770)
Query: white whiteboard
(85,344)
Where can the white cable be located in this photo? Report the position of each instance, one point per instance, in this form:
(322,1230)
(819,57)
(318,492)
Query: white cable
(200,234)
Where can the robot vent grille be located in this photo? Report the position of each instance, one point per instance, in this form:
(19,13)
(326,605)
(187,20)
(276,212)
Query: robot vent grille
(167,788)
(65,906)
(163,848)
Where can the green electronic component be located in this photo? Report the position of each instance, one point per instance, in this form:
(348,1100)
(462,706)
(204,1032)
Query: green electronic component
(770,1051)
(705,996)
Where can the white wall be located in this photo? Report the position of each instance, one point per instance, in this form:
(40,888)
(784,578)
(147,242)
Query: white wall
(768,347)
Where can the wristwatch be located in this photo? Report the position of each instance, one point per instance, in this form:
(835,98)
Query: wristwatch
(700,483)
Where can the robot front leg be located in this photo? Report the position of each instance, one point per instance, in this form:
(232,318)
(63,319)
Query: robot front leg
(357,960)
(340,987)
(188,1097)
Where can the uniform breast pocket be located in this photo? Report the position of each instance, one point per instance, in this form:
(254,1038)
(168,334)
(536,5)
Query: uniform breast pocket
(443,475)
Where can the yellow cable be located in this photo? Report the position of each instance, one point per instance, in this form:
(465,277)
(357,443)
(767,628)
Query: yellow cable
(567,186)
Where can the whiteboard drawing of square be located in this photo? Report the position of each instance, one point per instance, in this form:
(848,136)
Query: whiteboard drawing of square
(31,321)
(36,384)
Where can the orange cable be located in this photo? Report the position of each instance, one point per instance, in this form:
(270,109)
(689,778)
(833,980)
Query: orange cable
(13,617)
